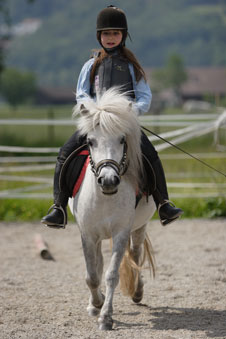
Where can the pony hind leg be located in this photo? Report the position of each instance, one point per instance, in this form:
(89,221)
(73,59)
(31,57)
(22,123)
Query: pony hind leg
(94,266)
(138,238)
(140,250)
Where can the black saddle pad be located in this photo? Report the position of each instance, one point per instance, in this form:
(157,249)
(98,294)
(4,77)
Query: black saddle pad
(72,169)
(149,180)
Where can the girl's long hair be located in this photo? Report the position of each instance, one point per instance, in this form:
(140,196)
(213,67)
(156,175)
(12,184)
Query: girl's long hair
(124,52)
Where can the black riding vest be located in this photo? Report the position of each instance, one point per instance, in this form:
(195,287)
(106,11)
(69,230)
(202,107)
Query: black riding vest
(113,71)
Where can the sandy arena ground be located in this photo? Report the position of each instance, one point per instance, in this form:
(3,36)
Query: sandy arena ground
(43,299)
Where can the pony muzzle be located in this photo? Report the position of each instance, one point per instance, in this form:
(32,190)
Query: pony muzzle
(108,173)
(108,182)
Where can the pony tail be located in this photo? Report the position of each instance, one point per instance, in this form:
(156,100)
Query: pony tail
(128,273)
(129,270)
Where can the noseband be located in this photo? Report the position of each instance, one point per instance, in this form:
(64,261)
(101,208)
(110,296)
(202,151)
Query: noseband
(120,167)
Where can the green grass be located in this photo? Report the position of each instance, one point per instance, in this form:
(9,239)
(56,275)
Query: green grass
(36,136)
(23,209)
(40,136)
(36,112)
(20,210)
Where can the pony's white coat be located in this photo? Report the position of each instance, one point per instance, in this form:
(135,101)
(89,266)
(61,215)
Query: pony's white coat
(99,216)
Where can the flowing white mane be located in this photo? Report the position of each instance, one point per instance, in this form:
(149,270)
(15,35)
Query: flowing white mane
(115,115)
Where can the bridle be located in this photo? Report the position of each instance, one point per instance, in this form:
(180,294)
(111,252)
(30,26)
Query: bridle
(120,167)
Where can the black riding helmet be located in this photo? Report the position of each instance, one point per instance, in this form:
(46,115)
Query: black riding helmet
(112,18)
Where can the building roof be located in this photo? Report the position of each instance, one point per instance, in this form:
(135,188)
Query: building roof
(201,81)
(205,81)
(56,95)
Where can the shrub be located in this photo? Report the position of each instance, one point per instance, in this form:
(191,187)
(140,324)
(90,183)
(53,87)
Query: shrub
(17,87)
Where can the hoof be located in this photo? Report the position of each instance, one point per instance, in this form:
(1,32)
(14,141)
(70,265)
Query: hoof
(93,311)
(105,324)
(105,327)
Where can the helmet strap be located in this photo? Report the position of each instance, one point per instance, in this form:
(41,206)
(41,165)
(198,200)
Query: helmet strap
(113,49)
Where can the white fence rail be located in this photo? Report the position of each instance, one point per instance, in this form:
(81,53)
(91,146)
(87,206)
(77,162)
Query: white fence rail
(193,126)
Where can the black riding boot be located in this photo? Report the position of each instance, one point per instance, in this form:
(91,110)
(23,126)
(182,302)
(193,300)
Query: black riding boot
(57,214)
(166,210)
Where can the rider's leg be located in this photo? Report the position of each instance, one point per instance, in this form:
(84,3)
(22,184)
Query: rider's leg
(167,212)
(58,212)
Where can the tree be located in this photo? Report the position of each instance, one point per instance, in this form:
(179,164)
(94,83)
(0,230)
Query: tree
(17,87)
(173,75)
(5,14)
(175,72)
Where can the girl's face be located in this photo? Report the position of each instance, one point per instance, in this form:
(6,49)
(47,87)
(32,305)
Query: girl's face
(111,38)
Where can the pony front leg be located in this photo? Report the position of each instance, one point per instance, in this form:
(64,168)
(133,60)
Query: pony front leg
(112,278)
(94,270)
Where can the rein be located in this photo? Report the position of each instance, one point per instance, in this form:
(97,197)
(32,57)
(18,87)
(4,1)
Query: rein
(181,150)
(120,167)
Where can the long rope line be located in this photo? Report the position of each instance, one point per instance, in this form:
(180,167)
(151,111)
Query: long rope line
(180,149)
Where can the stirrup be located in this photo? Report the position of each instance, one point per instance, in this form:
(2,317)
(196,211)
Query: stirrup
(165,222)
(64,214)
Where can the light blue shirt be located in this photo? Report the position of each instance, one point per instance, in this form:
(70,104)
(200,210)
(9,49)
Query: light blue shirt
(141,88)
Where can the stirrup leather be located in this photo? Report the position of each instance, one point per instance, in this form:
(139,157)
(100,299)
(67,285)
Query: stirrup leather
(165,222)
(64,214)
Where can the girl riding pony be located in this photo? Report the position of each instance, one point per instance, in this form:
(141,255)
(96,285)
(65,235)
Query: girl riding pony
(114,65)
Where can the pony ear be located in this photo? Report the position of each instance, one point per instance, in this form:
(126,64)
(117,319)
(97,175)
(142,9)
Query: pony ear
(83,110)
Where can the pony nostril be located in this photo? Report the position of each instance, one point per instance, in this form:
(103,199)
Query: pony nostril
(116,180)
(99,180)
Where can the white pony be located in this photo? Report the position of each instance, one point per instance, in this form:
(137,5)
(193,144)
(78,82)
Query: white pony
(104,207)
